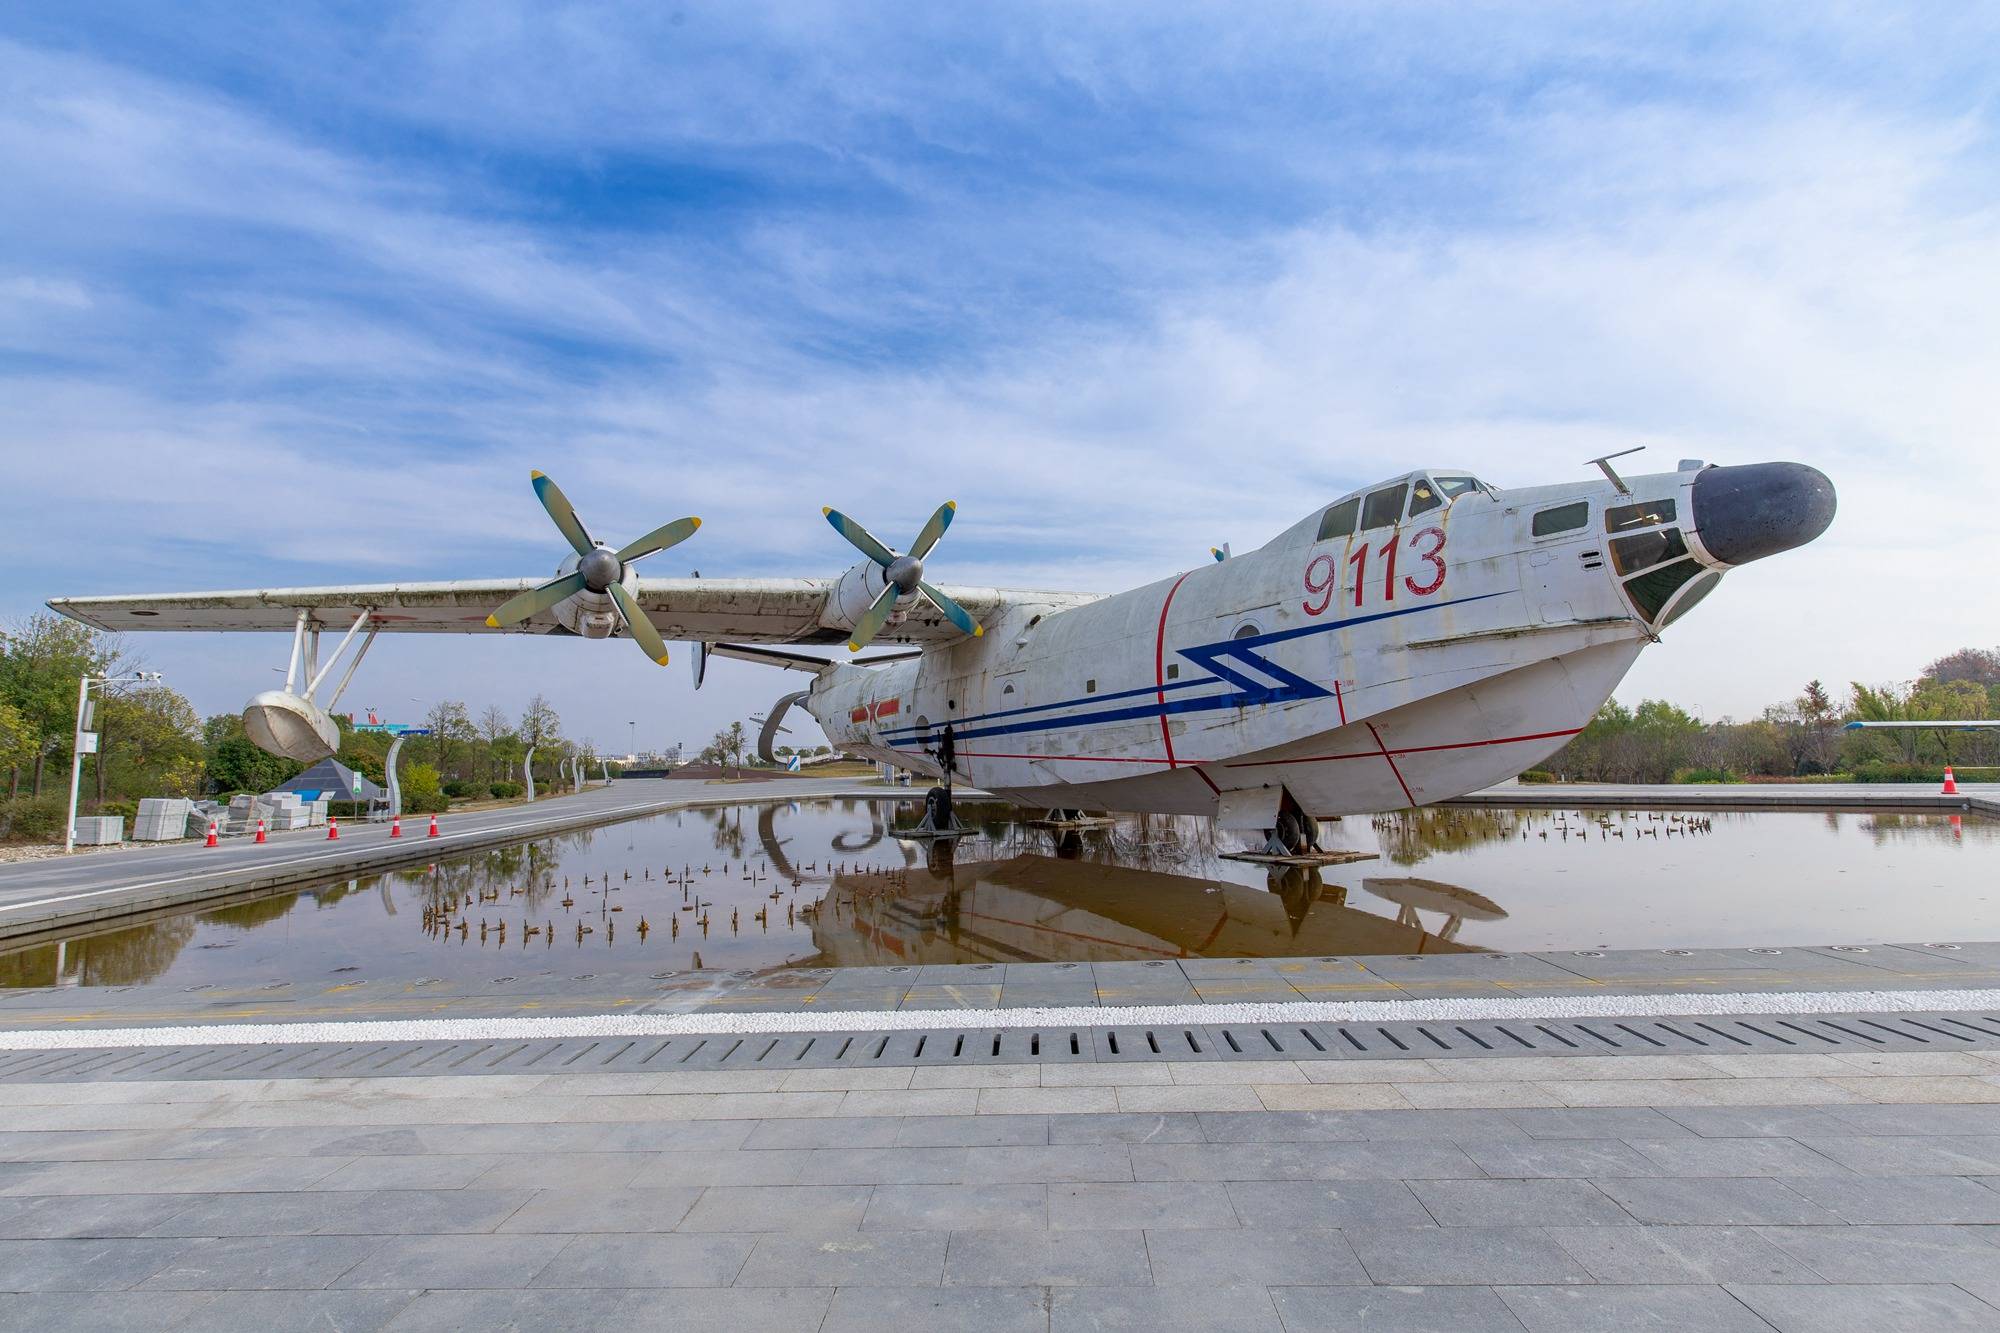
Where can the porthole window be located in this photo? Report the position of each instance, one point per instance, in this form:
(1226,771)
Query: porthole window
(1008,690)
(1090,686)
(1247,630)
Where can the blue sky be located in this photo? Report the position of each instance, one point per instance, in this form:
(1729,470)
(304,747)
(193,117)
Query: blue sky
(301,298)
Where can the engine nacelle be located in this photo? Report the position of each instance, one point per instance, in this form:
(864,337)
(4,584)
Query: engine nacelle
(853,595)
(283,724)
(589,614)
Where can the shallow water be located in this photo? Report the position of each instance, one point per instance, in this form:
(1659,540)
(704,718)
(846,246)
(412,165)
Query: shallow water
(826,884)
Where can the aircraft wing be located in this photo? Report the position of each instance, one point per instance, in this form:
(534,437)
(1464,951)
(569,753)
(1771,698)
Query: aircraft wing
(741,610)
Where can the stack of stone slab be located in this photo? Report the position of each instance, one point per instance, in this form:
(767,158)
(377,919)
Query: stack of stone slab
(100,830)
(287,811)
(162,819)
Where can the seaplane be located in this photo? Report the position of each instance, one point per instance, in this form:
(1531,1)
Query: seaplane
(1403,644)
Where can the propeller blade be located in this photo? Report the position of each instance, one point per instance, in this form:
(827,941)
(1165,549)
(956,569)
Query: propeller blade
(876,617)
(535,601)
(564,515)
(659,539)
(860,536)
(953,612)
(934,529)
(641,629)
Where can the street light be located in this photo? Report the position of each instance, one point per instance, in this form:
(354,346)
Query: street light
(85,740)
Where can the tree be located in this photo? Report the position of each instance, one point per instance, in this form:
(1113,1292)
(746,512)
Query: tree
(502,745)
(17,745)
(142,734)
(1981,666)
(540,727)
(449,723)
(42,660)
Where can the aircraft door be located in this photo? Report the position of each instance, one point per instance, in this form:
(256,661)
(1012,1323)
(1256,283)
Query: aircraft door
(1557,552)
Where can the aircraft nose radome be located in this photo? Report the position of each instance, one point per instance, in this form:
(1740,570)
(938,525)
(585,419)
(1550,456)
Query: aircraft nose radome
(1746,513)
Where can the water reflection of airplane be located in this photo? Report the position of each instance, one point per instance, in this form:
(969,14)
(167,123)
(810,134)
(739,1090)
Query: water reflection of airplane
(1038,909)
(1411,894)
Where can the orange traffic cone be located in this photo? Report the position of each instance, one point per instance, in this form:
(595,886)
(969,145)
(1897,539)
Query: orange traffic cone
(1950,783)
(211,835)
(395,826)
(434,826)
(260,831)
(332,828)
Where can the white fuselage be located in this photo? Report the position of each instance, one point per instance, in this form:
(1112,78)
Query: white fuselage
(1405,662)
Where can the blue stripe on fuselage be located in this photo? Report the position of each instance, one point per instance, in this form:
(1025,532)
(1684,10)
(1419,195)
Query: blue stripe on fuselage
(1249,692)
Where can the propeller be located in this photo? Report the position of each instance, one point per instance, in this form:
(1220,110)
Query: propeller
(901,574)
(598,569)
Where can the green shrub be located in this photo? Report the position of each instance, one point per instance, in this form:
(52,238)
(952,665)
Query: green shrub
(458,789)
(33,819)
(1703,775)
(1883,770)
(1535,775)
(504,791)
(423,794)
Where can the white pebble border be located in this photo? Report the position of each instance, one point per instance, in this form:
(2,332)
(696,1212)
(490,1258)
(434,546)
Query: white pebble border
(713,1023)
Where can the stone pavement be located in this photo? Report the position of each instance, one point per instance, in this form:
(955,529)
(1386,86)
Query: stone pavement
(1791,1192)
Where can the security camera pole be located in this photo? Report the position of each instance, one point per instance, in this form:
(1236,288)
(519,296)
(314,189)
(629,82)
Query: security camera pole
(85,740)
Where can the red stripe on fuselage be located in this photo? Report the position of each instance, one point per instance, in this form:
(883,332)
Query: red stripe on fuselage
(1160,669)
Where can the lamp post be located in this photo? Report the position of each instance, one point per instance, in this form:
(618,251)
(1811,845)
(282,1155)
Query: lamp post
(85,737)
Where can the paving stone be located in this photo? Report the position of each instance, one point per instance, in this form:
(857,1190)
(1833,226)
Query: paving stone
(93,1312)
(644,1260)
(1683,1156)
(425,1171)
(740,1311)
(1867,1309)
(1549,1203)
(1717,1202)
(774,1166)
(1550,1159)
(423,1262)
(346,1212)
(1145,1206)
(83,1265)
(778,1208)
(593,1170)
(1589,1309)
(1119,1127)
(1358,1126)
(980,1207)
(568,1212)
(1273,1203)
(1889,1253)
(1400,1160)
(1902,1199)
(1144,1310)
(831,1132)
(1415,1309)
(881,1166)
(1635,1255)
(1462,1256)
(1047,1101)
(1048,1259)
(849,1259)
(86,1215)
(1596,1122)
(1964,1119)
(1908,1155)
(1066,1162)
(1749,1122)
(1253,1256)
(923,1310)
(262,1263)
(973,1131)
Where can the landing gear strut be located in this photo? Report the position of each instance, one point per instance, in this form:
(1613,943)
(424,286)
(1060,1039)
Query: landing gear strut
(1296,833)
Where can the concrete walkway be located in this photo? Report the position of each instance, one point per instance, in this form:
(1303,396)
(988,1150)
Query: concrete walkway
(1791,1192)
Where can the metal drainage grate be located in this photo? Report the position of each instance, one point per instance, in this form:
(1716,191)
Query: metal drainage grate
(1734,1035)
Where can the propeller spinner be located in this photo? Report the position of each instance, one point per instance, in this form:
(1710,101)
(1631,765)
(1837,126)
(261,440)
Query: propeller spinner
(902,574)
(598,569)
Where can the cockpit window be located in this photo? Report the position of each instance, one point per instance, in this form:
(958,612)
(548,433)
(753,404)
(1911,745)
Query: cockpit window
(1646,514)
(1453,487)
(1423,498)
(1384,508)
(1655,588)
(1339,520)
(1643,550)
